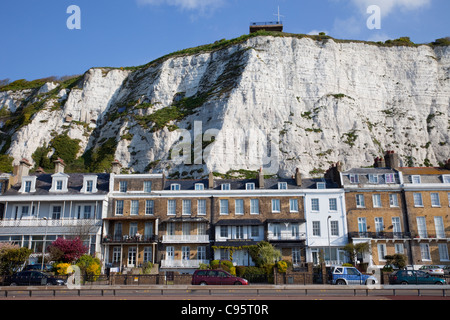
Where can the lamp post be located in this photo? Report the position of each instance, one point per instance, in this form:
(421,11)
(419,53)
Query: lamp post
(45,240)
(329,244)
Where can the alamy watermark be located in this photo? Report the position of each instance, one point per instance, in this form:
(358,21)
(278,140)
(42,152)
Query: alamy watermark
(374,21)
(236,146)
(74,20)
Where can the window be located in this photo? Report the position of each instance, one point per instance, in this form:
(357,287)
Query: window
(186,207)
(362,226)
(396,226)
(175,187)
(56,212)
(296,256)
(254,206)
(123,186)
(393,200)
(225,186)
(315,204)
(224,207)
(418,200)
(399,248)
(425,251)
(119,207)
(435,201)
(249,186)
(320,185)
(148,254)
(376,198)
(89,185)
(118,230)
(373,178)
(443,252)
(171,207)
(422,227)
(201,207)
(381,252)
(316,228)
(133,229)
(282,185)
(389,178)
(199,186)
(116,254)
(293,205)
(185,253)
(275,205)
(170,253)
(334,228)
(87,212)
(201,253)
(446,178)
(332,202)
(149,207)
(255,231)
(28,185)
(276,230)
(415,179)
(132,256)
(147,186)
(59,185)
(239,232)
(360,203)
(171,229)
(354,178)
(134,207)
(379,225)
(224,231)
(239,206)
(295,230)
(439,225)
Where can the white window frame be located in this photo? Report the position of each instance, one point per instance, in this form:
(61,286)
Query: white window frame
(321,185)
(149,207)
(360,201)
(439,227)
(425,251)
(393,200)
(250,186)
(446,178)
(187,207)
(354,178)
(199,186)
(171,207)
(418,200)
(373,178)
(89,189)
(123,186)
(119,208)
(443,252)
(282,185)
(332,204)
(435,199)
(239,207)
(293,205)
(381,247)
(315,204)
(224,205)
(175,187)
(316,229)
(389,178)
(134,207)
(147,185)
(416,179)
(276,206)
(225,186)
(201,207)
(254,206)
(376,200)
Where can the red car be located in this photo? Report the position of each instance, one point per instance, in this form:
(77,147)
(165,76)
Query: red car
(216,277)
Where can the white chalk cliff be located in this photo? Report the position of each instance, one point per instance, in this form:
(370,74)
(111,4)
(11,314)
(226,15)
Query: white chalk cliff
(273,102)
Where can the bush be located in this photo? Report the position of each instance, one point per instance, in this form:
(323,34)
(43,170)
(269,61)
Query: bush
(89,266)
(282,266)
(61,268)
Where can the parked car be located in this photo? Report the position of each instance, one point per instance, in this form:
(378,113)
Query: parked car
(216,277)
(414,277)
(433,270)
(350,276)
(446,270)
(34,278)
(37,267)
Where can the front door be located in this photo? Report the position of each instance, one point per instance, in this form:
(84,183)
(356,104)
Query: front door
(132,257)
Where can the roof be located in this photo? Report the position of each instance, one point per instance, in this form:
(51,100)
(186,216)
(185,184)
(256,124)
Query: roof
(424,171)
(75,183)
(363,176)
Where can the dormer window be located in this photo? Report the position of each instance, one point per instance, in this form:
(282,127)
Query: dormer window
(59,182)
(373,178)
(354,178)
(175,187)
(282,185)
(249,186)
(446,178)
(415,179)
(28,185)
(389,178)
(321,185)
(199,186)
(89,184)
(123,186)
(225,186)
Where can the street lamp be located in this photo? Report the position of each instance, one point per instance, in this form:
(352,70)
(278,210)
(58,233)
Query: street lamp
(329,244)
(45,239)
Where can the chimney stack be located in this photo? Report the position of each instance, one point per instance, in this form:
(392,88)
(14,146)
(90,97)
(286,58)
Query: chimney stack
(391,159)
(116,166)
(298,178)
(59,165)
(379,163)
(211,181)
(24,168)
(261,179)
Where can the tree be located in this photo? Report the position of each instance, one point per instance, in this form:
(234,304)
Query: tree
(353,250)
(89,266)
(66,250)
(12,259)
(396,260)
(264,254)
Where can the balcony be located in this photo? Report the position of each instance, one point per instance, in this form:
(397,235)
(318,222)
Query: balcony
(185,239)
(285,236)
(50,223)
(125,239)
(380,235)
(183,263)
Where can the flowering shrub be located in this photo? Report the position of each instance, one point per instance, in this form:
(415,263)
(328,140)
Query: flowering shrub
(61,268)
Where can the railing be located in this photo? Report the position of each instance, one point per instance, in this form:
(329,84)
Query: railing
(185,239)
(50,223)
(380,235)
(127,239)
(266,23)
(182,263)
(285,236)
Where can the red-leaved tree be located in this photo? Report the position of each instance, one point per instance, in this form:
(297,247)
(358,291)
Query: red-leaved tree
(66,250)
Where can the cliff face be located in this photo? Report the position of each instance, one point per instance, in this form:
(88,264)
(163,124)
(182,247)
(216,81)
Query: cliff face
(273,102)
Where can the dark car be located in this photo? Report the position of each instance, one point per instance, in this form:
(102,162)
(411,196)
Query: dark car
(34,278)
(216,277)
(414,277)
(37,267)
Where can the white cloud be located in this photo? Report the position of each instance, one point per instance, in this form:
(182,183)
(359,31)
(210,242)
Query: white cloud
(201,5)
(388,6)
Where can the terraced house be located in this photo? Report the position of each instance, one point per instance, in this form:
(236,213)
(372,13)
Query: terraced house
(40,207)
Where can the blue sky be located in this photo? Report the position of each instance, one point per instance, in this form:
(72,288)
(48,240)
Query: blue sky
(36,42)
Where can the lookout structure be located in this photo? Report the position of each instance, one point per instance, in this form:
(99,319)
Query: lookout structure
(268,25)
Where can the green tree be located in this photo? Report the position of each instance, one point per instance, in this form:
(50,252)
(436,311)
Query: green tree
(264,254)
(12,259)
(396,260)
(352,250)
